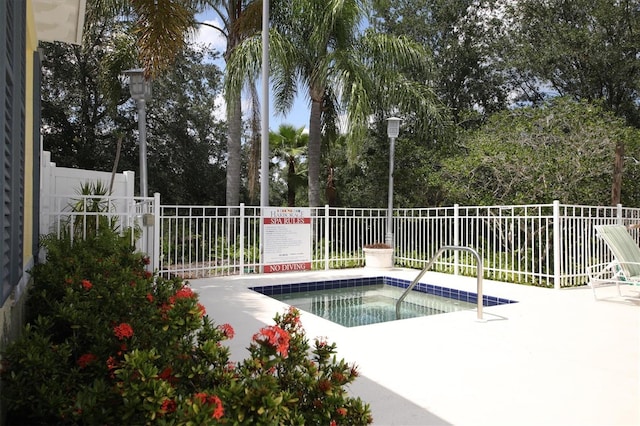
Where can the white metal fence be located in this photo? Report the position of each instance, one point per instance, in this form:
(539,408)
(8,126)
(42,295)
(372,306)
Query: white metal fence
(548,245)
(77,216)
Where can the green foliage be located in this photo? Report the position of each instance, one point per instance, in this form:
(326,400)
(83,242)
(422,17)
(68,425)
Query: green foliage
(288,147)
(461,40)
(563,151)
(89,211)
(109,343)
(586,49)
(86,108)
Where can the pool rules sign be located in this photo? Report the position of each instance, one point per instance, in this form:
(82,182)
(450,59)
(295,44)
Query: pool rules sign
(287,239)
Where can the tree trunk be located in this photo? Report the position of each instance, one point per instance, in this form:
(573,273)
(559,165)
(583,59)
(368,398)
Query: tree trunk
(234,115)
(314,150)
(253,167)
(234,118)
(618,163)
(291,186)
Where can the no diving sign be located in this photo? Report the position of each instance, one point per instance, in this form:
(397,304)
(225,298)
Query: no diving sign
(287,239)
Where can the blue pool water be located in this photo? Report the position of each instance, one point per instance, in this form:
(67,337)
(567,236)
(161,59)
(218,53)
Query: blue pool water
(371,300)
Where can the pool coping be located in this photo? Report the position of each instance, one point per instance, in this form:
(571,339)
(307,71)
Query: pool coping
(556,357)
(422,287)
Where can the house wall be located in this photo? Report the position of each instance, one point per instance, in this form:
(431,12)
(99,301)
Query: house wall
(12,310)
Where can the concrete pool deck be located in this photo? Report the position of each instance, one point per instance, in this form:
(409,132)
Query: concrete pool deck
(557,357)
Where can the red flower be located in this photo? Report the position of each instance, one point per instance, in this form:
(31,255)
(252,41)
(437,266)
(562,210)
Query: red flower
(202,310)
(112,364)
(168,406)
(324,385)
(123,331)
(86,284)
(227,330)
(219,411)
(341,411)
(275,337)
(150,297)
(338,377)
(206,399)
(147,274)
(167,374)
(354,371)
(86,359)
(146,260)
(333,423)
(202,397)
(184,293)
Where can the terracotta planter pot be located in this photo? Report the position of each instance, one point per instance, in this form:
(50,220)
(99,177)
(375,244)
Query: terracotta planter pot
(378,258)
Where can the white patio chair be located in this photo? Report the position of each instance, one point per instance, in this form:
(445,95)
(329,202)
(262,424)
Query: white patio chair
(625,268)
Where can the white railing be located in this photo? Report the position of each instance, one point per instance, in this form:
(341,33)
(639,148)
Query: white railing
(548,245)
(77,216)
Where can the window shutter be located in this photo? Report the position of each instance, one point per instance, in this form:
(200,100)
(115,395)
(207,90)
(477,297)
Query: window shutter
(12,141)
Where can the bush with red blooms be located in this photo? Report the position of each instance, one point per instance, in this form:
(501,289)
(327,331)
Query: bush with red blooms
(108,343)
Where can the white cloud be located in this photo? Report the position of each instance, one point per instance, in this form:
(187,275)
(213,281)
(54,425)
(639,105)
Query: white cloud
(210,36)
(220,111)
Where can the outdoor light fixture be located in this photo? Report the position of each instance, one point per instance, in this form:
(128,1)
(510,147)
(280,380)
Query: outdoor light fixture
(393,130)
(140,89)
(393,127)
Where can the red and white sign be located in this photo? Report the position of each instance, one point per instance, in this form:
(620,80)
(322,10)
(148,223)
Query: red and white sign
(287,239)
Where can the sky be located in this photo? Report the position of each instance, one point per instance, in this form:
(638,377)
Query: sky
(299,114)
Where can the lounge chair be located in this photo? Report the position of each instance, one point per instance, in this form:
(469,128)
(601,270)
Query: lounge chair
(625,268)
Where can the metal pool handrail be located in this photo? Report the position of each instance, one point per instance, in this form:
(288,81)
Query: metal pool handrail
(430,264)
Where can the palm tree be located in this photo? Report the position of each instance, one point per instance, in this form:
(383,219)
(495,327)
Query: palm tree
(318,45)
(161,27)
(288,145)
(239,20)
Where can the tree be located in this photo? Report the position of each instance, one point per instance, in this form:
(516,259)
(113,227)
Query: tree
(239,20)
(562,150)
(317,44)
(86,109)
(461,39)
(187,144)
(160,27)
(586,49)
(79,124)
(288,147)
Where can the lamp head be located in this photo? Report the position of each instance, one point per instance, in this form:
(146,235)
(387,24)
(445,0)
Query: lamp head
(138,86)
(393,127)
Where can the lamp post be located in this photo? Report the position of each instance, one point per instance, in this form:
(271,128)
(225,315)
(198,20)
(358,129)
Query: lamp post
(393,129)
(140,90)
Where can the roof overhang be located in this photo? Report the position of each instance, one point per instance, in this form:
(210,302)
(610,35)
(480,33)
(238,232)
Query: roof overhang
(59,20)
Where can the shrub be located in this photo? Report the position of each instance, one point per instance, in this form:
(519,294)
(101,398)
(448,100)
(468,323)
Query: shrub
(109,343)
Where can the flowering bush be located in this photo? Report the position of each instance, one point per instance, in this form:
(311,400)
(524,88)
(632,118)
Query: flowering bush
(108,343)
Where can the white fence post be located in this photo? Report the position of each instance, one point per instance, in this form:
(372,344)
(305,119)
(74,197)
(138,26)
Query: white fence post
(242,248)
(456,238)
(557,249)
(327,242)
(156,231)
(128,178)
(619,214)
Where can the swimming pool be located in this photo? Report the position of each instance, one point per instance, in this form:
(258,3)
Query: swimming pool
(363,301)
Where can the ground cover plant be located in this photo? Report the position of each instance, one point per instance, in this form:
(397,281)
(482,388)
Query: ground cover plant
(108,343)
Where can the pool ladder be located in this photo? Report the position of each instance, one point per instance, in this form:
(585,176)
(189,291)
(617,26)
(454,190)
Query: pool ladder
(430,264)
